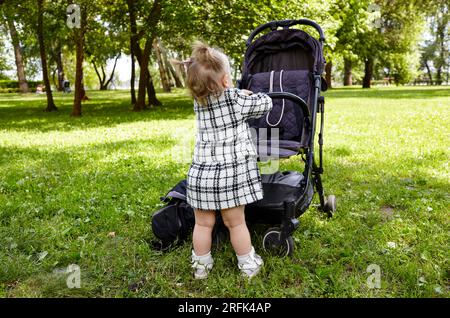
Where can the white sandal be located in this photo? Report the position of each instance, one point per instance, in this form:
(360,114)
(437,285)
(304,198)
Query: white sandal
(250,264)
(202,265)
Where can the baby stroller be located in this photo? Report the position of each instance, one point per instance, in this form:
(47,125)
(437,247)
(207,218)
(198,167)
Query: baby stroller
(66,87)
(287,64)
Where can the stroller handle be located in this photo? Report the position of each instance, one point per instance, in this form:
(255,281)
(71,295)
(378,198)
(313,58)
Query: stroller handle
(294,98)
(273,25)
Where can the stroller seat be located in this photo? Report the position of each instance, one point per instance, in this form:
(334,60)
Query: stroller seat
(282,148)
(289,136)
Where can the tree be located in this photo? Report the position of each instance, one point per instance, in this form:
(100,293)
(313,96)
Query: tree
(3,62)
(104,42)
(351,16)
(79,40)
(394,43)
(104,81)
(380,31)
(442,37)
(40,32)
(132,77)
(145,33)
(10,15)
(328,73)
(435,52)
(162,65)
(57,38)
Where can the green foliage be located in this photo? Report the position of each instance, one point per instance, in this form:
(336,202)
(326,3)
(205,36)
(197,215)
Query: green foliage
(353,31)
(105,40)
(3,60)
(384,30)
(435,56)
(217,21)
(67,183)
(89,77)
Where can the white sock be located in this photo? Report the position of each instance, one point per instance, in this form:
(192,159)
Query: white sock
(202,258)
(243,258)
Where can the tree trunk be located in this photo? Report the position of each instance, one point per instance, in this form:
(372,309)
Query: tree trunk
(368,72)
(103,82)
(23,85)
(79,89)
(442,23)
(143,56)
(111,76)
(328,69)
(40,30)
(347,72)
(180,69)
(54,78)
(178,82)
(151,93)
(143,76)
(169,68)
(430,75)
(133,79)
(162,70)
(439,75)
(101,79)
(172,71)
(60,68)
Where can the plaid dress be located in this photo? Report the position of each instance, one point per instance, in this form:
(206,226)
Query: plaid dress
(224,172)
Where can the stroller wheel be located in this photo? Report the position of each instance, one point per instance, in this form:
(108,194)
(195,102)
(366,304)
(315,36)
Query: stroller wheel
(330,205)
(272,243)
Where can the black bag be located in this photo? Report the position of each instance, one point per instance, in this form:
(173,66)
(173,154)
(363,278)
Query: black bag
(173,223)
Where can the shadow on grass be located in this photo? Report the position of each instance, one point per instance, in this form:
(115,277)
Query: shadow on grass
(25,113)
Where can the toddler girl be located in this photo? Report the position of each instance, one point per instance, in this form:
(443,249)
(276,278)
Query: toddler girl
(224,175)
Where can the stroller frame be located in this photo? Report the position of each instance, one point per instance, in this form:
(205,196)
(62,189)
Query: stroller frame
(313,171)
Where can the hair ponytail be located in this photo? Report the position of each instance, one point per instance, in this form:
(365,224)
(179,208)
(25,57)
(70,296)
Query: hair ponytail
(207,56)
(205,70)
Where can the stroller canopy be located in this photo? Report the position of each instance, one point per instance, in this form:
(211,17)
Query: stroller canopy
(284,60)
(287,49)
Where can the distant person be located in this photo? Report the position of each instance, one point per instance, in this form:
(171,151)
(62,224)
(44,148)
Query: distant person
(40,89)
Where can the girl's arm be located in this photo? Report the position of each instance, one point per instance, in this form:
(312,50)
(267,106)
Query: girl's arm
(253,105)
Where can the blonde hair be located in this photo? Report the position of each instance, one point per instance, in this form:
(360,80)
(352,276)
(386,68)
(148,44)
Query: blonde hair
(205,70)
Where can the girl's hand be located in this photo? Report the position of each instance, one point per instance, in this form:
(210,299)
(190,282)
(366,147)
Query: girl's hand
(246,92)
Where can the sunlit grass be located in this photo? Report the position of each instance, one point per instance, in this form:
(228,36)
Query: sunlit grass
(67,183)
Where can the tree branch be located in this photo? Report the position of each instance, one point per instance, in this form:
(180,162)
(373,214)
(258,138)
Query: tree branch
(113,70)
(98,74)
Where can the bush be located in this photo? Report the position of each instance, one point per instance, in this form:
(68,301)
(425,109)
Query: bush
(9,90)
(13,86)
(9,84)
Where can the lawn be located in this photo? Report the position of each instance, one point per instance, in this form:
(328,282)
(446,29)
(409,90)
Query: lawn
(82,191)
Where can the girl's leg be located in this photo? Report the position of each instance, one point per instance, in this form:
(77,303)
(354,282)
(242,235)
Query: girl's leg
(202,236)
(249,262)
(234,220)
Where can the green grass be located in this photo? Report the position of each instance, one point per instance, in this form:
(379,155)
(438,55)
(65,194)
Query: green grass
(65,183)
